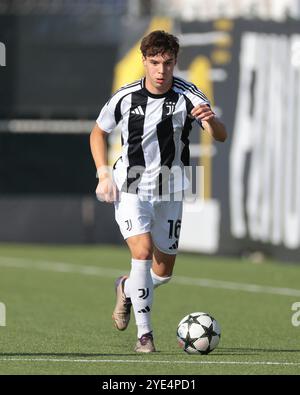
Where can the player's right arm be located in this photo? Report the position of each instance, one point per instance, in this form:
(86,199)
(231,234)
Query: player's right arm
(106,190)
(106,122)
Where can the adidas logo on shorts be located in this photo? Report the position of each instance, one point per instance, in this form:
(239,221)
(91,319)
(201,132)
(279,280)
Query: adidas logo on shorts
(174,246)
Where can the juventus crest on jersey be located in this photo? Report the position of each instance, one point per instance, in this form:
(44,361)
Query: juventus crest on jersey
(155,135)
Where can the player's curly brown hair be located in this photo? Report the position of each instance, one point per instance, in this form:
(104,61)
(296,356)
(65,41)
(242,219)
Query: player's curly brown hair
(159,42)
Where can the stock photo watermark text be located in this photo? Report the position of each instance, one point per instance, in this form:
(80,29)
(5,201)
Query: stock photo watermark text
(296,315)
(2,314)
(2,54)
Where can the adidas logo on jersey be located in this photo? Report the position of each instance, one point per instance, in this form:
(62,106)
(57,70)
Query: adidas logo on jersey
(137,111)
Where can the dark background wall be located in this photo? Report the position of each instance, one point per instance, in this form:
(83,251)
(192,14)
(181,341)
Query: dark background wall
(58,66)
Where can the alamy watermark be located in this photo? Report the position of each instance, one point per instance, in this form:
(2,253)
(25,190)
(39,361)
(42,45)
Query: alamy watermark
(2,54)
(296,315)
(175,183)
(2,314)
(295,51)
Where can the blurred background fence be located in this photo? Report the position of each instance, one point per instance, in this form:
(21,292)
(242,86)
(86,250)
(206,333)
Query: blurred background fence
(61,60)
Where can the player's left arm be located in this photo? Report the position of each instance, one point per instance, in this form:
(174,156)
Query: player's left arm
(210,122)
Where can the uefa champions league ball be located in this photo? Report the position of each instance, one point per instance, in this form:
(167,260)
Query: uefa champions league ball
(198,333)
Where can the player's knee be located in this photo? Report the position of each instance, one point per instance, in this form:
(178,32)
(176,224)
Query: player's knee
(143,254)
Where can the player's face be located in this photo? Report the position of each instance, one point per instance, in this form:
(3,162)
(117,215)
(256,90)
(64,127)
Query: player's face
(159,72)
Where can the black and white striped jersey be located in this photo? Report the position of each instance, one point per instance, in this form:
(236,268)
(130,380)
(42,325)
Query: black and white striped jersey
(155,135)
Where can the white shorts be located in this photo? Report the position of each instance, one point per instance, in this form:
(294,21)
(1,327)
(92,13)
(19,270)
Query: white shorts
(161,218)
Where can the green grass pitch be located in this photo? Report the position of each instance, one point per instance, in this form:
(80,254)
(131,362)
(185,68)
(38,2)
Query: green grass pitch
(59,301)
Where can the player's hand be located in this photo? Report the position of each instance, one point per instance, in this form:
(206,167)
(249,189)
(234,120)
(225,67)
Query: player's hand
(203,112)
(106,190)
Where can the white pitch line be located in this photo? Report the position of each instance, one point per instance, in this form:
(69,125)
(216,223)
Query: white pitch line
(279,363)
(255,288)
(63,267)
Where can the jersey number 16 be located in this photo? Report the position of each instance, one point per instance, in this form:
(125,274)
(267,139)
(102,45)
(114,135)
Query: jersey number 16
(174,228)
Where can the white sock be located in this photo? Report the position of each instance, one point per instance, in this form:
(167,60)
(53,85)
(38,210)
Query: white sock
(127,288)
(139,286)
(158,280)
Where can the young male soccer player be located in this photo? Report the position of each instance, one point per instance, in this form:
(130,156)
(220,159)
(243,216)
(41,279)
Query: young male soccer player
(156,115)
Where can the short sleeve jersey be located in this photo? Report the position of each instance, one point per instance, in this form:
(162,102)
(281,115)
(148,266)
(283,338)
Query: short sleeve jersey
(155,132)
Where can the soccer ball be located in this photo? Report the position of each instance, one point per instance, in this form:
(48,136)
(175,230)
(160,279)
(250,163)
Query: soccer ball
(198,333)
